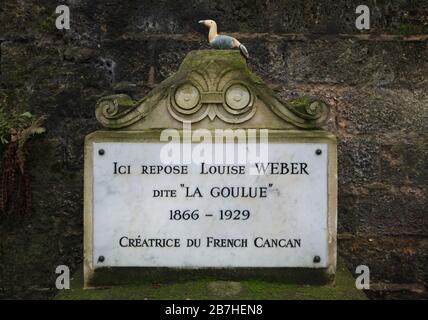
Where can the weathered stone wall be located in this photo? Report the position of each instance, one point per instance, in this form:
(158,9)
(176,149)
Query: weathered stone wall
(376,82)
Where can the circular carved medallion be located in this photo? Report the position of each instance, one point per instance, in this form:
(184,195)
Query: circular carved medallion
(187,96)
(237,96)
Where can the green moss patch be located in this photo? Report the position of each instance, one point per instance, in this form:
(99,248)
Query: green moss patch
(208,288)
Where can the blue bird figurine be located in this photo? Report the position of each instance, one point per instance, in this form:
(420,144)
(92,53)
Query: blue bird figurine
(220,41)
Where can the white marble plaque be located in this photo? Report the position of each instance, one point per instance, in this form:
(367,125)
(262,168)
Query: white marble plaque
(147,219)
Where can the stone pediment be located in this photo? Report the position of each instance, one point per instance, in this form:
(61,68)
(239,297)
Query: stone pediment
(211,89)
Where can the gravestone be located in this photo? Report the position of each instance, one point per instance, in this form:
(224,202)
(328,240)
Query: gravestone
(210,173)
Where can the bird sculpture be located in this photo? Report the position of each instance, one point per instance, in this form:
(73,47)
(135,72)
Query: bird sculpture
(220,41)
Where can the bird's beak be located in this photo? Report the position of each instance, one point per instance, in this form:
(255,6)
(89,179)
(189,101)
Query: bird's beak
(201,21)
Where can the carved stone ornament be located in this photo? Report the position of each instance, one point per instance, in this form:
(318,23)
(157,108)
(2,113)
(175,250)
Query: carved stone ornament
(211,88)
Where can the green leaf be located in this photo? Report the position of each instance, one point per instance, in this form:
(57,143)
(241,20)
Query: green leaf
(39,130)
(27,115)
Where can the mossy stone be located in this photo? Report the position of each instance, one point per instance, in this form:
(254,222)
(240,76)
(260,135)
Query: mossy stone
(210,288)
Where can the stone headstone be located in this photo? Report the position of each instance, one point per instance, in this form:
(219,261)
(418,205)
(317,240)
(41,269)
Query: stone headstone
(210,172)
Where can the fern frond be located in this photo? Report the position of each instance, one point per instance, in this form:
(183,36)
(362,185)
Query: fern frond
(34,128)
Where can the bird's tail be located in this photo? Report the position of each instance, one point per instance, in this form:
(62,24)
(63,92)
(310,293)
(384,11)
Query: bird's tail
(244,51)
